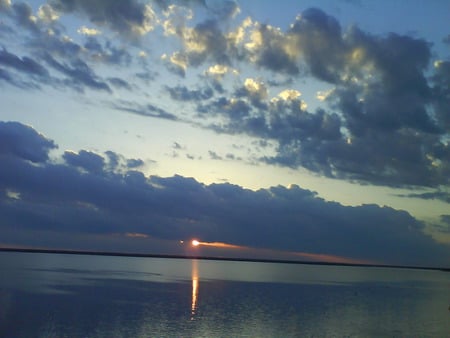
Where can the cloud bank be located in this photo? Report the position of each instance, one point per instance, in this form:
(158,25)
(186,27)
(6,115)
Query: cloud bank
(88,195)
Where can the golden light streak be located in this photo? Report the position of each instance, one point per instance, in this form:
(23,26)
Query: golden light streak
(332,258)
(316,257)
(219,245)
(194,288)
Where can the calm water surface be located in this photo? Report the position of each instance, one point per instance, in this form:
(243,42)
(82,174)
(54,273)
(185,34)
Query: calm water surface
(56,295)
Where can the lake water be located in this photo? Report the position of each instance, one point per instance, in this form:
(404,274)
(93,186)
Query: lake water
(57,295)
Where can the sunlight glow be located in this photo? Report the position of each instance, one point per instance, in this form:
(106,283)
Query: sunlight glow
(194,289)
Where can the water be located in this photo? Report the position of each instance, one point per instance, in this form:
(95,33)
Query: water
(55,295)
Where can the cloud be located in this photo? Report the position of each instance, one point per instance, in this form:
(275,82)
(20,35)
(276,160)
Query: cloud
(264,45)
(134,163)
(83,30)
(383,96)
(213,155)
(106,53)
(440,92)
(79,74)
(434,195)
(224,9)
(61,198)
(23,14)
(128,17)
(47,14)
(5,5)
(383,102)
(218,71)
(255,90)
(317,38)
(86,160)
(144,110)
(445,219)
(204,41)
(182,93)
(117,163)
(24,64)
(119,83)
(23,142)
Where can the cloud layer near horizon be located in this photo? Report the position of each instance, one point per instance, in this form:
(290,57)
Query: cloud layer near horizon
(386,97)
(86,195)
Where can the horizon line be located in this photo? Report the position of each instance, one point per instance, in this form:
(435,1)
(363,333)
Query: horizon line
(217,258)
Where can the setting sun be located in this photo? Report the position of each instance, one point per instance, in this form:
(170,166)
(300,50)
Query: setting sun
(195,242)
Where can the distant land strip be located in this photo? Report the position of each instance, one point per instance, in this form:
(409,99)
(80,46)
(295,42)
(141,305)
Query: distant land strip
(213,258)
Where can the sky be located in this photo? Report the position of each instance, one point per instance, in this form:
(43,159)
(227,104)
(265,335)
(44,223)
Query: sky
(317,130)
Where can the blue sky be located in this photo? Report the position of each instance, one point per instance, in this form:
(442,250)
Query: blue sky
(319,127)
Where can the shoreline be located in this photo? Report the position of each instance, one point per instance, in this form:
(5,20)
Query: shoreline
(214,258)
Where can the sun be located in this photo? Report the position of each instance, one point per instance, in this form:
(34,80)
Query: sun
(195,242)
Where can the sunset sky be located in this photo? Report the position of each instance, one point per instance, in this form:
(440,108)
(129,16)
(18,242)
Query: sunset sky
(313,127)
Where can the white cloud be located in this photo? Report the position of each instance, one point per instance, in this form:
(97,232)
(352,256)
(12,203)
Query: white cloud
(323,95)
(83,30)
(289,94)
(47,14)
(219,71)
(256,87)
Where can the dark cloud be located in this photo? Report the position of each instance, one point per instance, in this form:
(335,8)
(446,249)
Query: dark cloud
(86,160)
(319,39)
(223,9)
(62,54)
(119,83)
(147,76)
(24,64)
(182,93)
(384,103)
(79,74)
(55,45)
(129,17)
(177,146)
(115,162)
(213,155)
(164,4)
(209,41)
(441,93)
(272,54)
(442,226)
(236,110)
(64,199)
(23,142)
(23,14)
(434,195)
(445,219)
(134,163)
(4,75)
(7,77)
(386,159)
(145,110)
(107,53)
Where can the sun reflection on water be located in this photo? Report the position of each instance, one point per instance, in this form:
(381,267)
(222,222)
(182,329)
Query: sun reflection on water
(194,288)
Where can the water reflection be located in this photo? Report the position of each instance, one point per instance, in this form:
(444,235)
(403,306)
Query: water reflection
(194,275)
